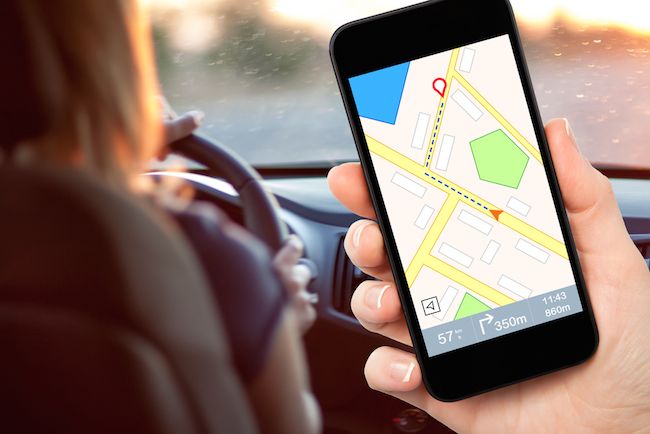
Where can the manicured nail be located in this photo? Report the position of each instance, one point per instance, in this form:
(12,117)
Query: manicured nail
(569,130)
(402,371)
(374,296)
(294,242)
(197,115)
(356,239)
(301,273)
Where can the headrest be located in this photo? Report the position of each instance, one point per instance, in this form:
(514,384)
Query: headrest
(76,248)
(22,108)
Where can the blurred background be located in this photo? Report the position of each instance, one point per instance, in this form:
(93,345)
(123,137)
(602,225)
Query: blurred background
(260,70)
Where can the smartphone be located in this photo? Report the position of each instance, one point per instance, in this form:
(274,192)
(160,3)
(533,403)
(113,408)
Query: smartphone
(453,149)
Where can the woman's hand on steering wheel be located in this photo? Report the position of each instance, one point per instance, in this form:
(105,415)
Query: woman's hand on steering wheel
(295,277)
(178,127)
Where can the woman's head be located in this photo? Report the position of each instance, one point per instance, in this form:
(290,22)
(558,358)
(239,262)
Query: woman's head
(94,74)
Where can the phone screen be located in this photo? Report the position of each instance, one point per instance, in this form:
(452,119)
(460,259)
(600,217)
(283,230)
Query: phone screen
(465,189)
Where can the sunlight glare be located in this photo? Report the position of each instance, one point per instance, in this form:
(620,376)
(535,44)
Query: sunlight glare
(629,14)
(328,15)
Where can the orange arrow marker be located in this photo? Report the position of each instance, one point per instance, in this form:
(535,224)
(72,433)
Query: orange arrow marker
(496,213)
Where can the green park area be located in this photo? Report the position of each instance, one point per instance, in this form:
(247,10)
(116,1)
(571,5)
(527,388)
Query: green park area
(498,159)
(469,306)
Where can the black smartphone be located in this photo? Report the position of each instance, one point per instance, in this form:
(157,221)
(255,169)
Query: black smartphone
(453,149)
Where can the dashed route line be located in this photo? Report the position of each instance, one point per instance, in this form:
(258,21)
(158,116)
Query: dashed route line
(455,190)
(435,133)
(404,162)
(441,183)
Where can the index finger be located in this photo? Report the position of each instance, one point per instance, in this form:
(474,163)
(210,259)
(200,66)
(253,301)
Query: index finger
(348,185)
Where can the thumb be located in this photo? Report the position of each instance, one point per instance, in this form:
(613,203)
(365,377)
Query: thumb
(596,220)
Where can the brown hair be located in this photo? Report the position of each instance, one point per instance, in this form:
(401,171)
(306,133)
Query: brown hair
(97,78)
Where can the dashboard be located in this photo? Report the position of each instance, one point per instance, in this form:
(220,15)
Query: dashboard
(337,345)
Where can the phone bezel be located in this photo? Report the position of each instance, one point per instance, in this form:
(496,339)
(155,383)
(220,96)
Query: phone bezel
(405,35)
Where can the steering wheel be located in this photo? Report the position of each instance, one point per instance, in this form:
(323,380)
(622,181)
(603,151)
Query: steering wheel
(260,208)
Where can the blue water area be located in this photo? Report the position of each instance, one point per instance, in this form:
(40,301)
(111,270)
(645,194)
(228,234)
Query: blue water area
(378,94)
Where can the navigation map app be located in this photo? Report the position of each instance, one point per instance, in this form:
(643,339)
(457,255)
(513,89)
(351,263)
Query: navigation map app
(466,193)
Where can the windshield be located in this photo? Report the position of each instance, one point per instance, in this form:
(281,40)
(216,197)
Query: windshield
(260,70)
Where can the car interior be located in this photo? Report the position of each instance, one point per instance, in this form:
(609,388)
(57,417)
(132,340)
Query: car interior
(101,341)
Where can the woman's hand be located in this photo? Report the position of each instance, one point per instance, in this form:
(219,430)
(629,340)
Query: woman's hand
(608,393)
(178,127)
(295,277)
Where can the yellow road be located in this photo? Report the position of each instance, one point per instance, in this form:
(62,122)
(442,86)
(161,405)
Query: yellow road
(456,194)
(465,196)
(423,257)
(451,69)
(424,251)
(419,171)
(507,125)
(467,281)
(534,234)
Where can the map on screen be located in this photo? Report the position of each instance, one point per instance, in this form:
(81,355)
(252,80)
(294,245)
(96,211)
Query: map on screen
(465,189)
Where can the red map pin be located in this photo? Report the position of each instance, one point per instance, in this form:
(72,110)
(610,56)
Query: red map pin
(440,85)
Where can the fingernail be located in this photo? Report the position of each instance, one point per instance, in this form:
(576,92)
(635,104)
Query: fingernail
(356,239)
(374,296)
(402,371)
(301,273)
(295,242)
(569,132)
(197,115)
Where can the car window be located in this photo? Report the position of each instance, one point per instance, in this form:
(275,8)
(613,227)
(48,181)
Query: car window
(260,70)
